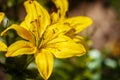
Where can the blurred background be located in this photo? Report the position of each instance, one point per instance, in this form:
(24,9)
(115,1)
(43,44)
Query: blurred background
(102,62)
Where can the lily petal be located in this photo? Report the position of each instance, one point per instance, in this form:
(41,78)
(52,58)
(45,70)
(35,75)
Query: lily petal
(54,30)
(62,6)
(37,13)
(64,47)
(81,40)
(78,23)
(44,61)
(22,32)
(19,48)
(27,22)
(3,46)
(1,16)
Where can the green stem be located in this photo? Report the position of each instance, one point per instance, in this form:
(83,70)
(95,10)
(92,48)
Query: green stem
(29,60)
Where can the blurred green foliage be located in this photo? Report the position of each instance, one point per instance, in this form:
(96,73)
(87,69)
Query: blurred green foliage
(116,6)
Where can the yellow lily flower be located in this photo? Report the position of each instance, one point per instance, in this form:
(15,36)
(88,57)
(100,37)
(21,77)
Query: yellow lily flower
(3,46)
(62,6)
(1,16)
(45,38)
